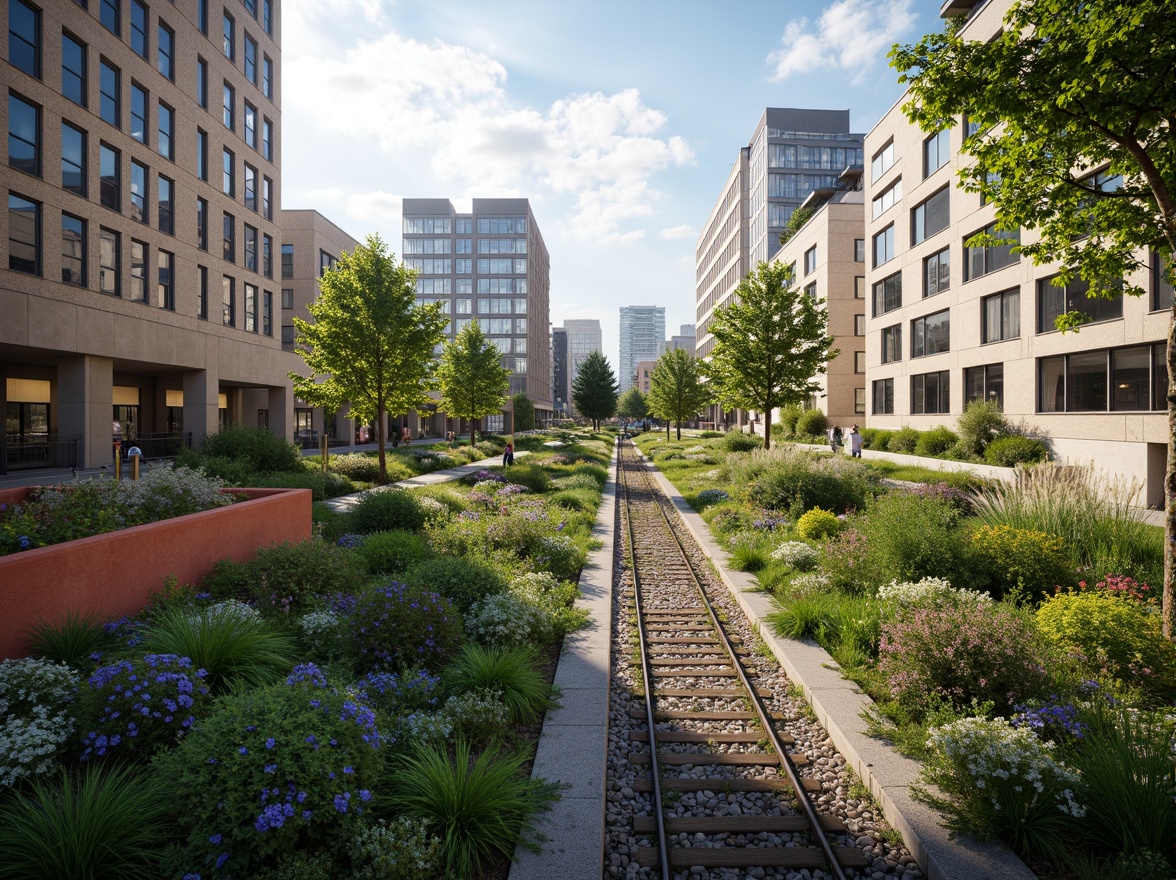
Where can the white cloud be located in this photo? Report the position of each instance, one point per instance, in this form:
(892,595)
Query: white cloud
(375,206)
(851,35)
(672,233)
(448,106)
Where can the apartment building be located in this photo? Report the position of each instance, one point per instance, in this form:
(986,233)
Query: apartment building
(142,173)
(643,375)
(643,331)
(948,323)
(489,265)
(584,337)
(560,387)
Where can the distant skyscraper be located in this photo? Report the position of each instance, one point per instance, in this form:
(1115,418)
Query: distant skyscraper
(584,337)
(559,371)
(643,331)
(684,340)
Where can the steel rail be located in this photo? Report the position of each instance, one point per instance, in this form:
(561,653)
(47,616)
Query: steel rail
(756,702)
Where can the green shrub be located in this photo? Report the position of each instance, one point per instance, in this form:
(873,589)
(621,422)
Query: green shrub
(811,423)
(577,481)
(462,580)
(935,442)
(301,866)
(979,424)
(285,578)
(793,479)
(750,551)
(1013,450)
(737,441)
(912,537)
(904,441)
(322,486)
(579,499)
(70,639)
(818,524)
(1112,633)
(403,626)
(37,717)
(847,564)
(530,475)
(104,823)
(258,448)
(512,672)
(285,767)
(386,510)
(403,850)
(789,416)
(393,552)
(357,466)
(478,806)
(881,440)
(1021,561)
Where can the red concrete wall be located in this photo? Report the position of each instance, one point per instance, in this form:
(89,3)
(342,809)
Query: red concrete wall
(115,573)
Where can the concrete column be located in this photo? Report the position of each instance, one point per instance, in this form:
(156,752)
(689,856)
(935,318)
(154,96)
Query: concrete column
(3,412)
(201,398)
(281,411)
(85,401)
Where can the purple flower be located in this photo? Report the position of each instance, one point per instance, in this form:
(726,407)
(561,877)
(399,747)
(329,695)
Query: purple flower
(269,743)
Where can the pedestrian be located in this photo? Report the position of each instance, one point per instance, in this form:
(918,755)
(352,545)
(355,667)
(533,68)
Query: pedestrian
(406,436)
(835,438)
(855,442)
(508,455)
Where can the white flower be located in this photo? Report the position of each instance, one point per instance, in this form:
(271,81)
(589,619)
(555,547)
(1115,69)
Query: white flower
(929,592)
(797,555)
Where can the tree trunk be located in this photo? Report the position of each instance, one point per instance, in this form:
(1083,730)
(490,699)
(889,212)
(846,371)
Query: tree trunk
(473,432)
(767,429)
(667,430)
(679,429)
(381,438)
(1168,608)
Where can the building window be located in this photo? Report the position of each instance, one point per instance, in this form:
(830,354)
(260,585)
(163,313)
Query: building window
(250,187)
(886,200)
(250,308)
(227,104)
(881,162)
(166,216)
(108,262)
(202,16)
(810,290)
(859,401)
(166,119)
(24,235)
(883,397)
(859,362)
(73,160)
(859,287)
(250,248)
(251,59)
(930,393)
(108,172)
(138,192)
(287,261)
(859,325)
(251,125)
(110,15)
(228,183)
(229,252)
(937,273)
(1000,316)
(810,260)
(892,344)
(326,263)
(859,250)
(24,37)
(24,136)
(139,28)
(267,77)
(931,216)
(73,70)
(229,37)
(287,297)
(138,289)
(201,154)
(981,260)
(202,293)
(166,292)
(267,205)
(267,140)
(108,90)
(1163,296)
(936,152)
(73,250)
(167,51)
(228,302)
(884,246)
(202,224)
(267,18)
(288,337)
(887,294)
(931,334)
(267,313)
(1054,301)
(202,83)
(984,383)
(138,113)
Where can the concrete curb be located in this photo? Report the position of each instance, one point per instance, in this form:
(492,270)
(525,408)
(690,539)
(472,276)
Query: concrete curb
(573,747)
(839,704)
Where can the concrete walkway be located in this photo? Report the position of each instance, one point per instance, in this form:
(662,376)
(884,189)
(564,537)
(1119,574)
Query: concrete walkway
(346,503)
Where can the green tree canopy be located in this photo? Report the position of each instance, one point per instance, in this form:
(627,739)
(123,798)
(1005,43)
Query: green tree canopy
(472,378)
(594,390)
(524,412)
(676,390)
(1070,109)
(632,406)
(770,344)
(369,344)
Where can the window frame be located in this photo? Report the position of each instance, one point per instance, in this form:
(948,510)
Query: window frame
(921,337)
(882,293)
(891,343)
(33,169)
(942,260)
(919,214)
(82,77)
(66,258)
(986,338)
(941,142)
(15,245)
(920,391)
(33,44)
(882,392)
(885,236)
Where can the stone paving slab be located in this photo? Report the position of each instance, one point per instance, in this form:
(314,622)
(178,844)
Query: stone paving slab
(573,747)
(839,704)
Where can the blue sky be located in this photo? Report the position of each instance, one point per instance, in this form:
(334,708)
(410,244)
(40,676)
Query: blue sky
(619,120)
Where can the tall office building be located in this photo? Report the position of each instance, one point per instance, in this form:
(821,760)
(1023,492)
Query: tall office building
(684,339)
(584,337)
(490,265)
(643,330)
(142,179)
(559,372)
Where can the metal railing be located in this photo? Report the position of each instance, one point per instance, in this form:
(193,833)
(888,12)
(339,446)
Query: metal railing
(160,444)
(27,451)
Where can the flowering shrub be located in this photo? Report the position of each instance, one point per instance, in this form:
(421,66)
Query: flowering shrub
(399,625)
(461,580)
(434,510)
(577,481)
(270,771)
(1050,719)
(484,475)
(144,704)
(788,478)
(553,599)
(846,562)
(769,523)
(394,696)
(357,466)
(930,592)
(382,510)
(558,555)
(36,716)
(286,578)
(230,609)
(480,716)
(961,653)
(806,585)
(403,850)
(323,635)
(1112,633)
(957,498)
(796,555)
(504,619)
(1118,585)
(707,497)
(817,524)
(1023,560)
(1000,781)
(351,542)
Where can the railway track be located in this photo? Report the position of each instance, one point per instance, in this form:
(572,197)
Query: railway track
(715,776)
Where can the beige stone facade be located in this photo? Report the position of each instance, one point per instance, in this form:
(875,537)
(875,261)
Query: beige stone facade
(120,311)
(947,323)
(644,375)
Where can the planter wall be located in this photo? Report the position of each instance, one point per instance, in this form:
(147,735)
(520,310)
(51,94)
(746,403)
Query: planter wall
(114,574)
(988,471)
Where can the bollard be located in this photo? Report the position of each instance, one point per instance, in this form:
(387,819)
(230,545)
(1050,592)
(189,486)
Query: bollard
(134,454)
(117,460)
(324,451)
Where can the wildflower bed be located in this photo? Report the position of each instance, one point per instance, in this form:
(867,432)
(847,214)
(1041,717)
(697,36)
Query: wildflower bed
(307,714)
(991,626)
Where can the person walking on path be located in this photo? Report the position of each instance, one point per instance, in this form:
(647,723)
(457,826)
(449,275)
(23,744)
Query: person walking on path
(855,442)
(508,455)
(835,438)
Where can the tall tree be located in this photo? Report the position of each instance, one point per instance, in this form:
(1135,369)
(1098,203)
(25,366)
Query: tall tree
(524,412)
(676,389)
(472,378)
(594,390)
(1071,114)
(632,406)
(770,344)
(369,344)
